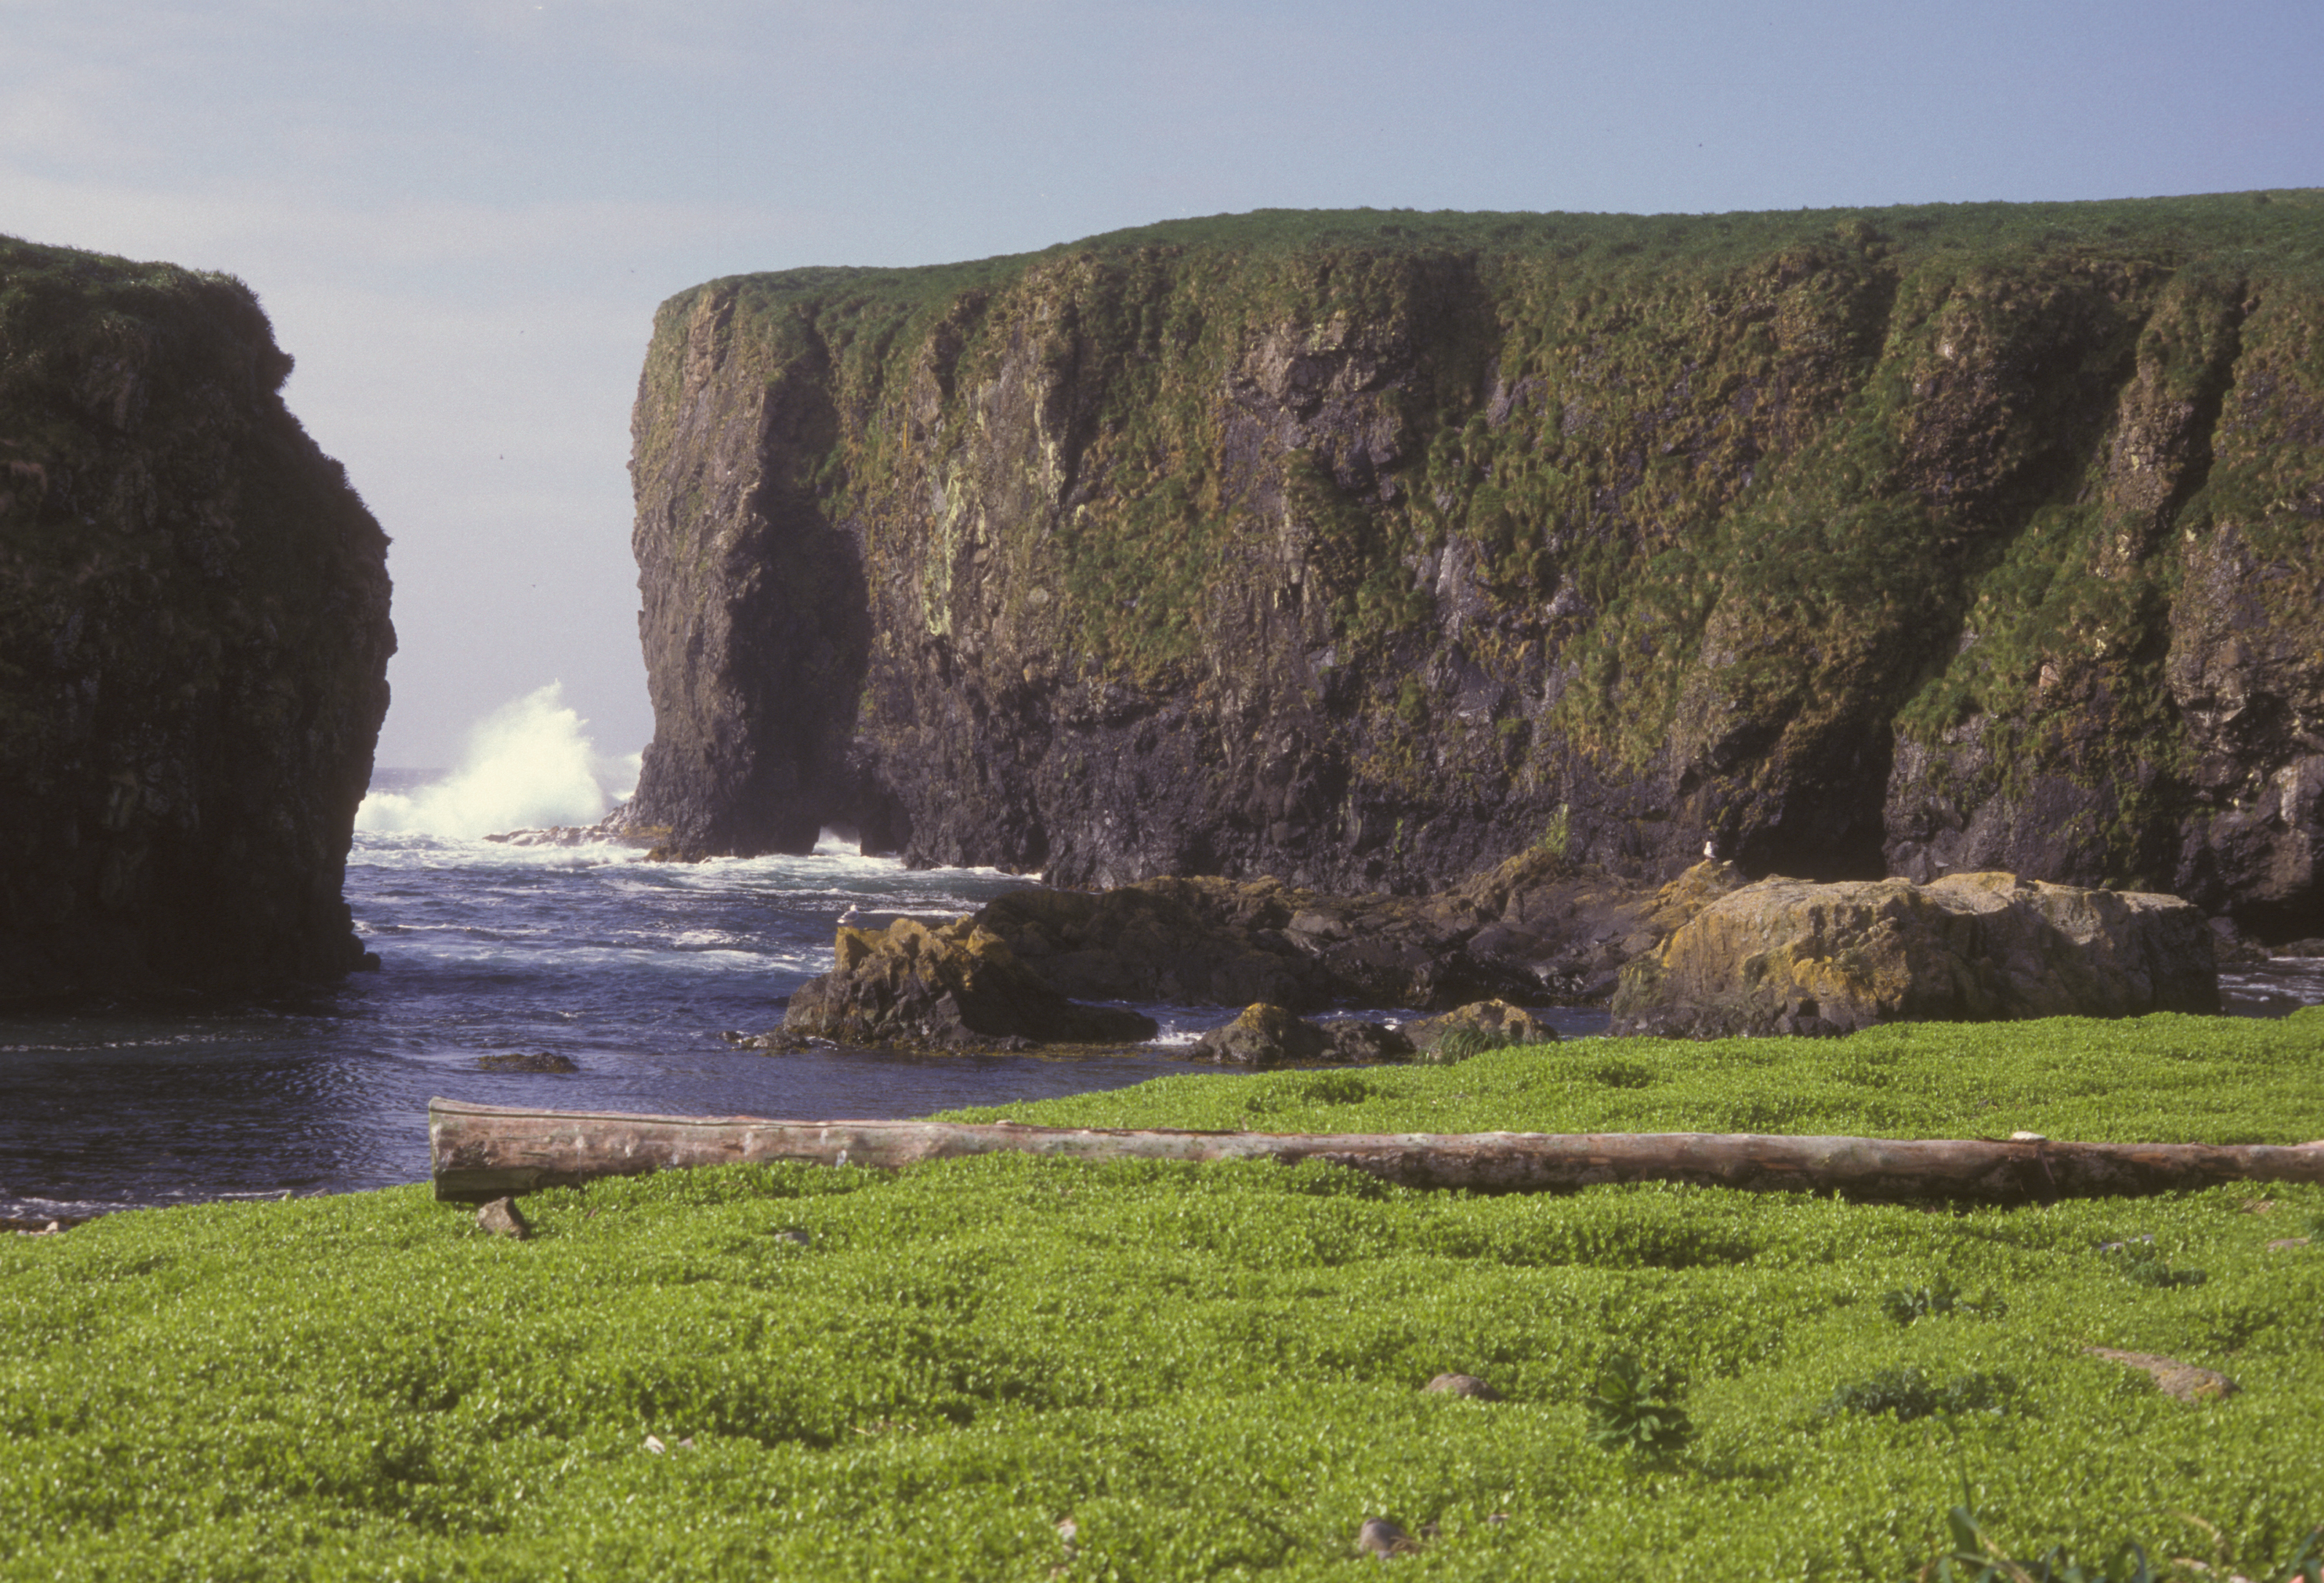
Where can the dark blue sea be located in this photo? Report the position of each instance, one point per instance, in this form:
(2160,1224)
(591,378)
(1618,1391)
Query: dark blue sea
(634,971)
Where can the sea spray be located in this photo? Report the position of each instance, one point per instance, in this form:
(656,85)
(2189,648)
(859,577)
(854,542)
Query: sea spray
(531,762)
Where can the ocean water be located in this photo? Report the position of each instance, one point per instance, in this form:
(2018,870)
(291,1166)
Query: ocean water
(633,971)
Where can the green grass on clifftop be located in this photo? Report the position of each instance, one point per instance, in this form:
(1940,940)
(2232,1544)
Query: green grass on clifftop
(1211,1371)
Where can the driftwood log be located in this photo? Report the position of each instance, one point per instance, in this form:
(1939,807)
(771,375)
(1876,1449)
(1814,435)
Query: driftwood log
(484,1151)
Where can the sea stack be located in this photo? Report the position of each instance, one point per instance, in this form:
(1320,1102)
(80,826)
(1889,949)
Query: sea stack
(1365,549)
(194,640)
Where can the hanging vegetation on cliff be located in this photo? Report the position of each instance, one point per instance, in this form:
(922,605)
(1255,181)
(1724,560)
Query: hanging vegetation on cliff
(1353,546)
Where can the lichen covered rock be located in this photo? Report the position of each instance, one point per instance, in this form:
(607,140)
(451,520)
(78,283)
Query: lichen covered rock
(957,986)
(1788,956)
(1483,1025)
(194,641)
(1262,1035)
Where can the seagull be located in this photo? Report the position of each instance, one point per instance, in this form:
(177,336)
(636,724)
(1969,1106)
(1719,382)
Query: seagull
(1711,850)
(852,914)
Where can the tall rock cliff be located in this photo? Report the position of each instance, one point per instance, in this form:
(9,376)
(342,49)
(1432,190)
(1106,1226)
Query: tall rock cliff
(1365,548)
(193,641)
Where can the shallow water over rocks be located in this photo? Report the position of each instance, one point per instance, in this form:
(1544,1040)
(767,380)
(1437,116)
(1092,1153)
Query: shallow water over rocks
(631,972)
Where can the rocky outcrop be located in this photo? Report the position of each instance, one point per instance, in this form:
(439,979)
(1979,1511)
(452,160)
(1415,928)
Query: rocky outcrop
(194,641)
(1268,1036)
(1473,1030)
(1367,550)
(1532,929)
(1787,957)
(1211,942)
(956,986)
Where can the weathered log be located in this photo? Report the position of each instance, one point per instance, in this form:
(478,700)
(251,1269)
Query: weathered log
(482,1151)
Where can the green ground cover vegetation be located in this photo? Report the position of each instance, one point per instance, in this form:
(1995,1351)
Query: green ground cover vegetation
(1215,1371)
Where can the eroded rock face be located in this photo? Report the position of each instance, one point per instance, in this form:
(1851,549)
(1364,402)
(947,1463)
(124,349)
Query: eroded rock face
(1217,943)
(1531,929)
(1788,956)
(1366,556)
(194,641)
(958,985)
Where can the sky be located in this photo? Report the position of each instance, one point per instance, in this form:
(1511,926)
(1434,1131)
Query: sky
(461,214)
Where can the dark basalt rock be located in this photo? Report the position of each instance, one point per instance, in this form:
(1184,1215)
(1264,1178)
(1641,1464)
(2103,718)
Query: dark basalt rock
(1485,1025)
(1530,930)
(547,1061)
(194,641)
(956,987)
(1268,1036)
(1353,1041)
(1263,1036)
(1918,542)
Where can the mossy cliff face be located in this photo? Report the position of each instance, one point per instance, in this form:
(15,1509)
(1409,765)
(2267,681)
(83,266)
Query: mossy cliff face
(193,641)
(1365,549)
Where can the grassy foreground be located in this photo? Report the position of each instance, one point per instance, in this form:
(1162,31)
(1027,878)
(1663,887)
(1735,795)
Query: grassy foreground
(1213,1371)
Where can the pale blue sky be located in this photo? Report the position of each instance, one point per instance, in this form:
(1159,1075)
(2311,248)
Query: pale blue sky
(461,213)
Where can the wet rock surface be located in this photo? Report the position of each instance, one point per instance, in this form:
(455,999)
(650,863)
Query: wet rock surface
(543,1060)
(958,986)
(194,640)
(1786,956)
(1482,1024)
(1268,1036)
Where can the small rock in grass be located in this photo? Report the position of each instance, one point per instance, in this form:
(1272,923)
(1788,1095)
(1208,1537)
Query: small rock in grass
(2183,1380)
(502,1218)
(2286,1244)
(1462,1384)
(653,1444)
(792,1234)
(2027,1137)
(1384,1538)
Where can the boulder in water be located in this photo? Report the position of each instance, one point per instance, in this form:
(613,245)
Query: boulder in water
(957,986)
(1477,1027)
(1270,1035)
(1788,956)
(1263,1036)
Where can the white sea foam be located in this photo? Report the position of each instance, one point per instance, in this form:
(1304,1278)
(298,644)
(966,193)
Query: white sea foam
(530,763)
